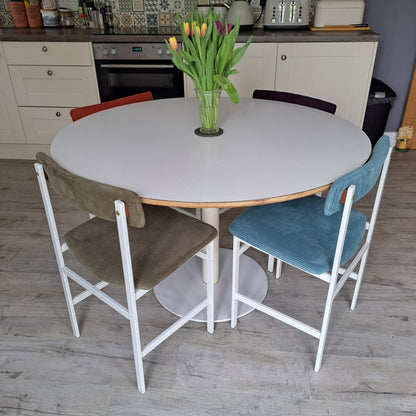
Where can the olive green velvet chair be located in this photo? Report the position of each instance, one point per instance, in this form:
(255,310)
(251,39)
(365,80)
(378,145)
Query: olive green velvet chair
(124,243)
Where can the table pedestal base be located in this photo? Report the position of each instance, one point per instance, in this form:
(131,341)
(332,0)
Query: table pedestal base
(185,288)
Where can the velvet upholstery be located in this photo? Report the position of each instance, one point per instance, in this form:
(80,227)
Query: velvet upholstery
(304,232)
(93,197)
(167,241)
(159,245)
(81,112)
(299,233)
(299,99)
(363,178)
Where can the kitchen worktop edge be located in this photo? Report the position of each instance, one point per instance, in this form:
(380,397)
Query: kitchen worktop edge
(259,36)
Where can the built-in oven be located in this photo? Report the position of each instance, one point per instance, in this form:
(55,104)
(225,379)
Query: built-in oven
(125,69)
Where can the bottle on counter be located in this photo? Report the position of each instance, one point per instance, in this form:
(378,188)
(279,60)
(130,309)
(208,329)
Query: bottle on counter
(108,13)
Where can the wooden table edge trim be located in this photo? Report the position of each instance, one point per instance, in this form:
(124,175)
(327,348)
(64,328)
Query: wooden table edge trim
(234,204)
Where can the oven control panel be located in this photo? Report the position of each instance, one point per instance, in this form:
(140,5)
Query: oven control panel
(130,51)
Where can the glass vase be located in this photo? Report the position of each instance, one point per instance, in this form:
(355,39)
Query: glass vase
(208,111)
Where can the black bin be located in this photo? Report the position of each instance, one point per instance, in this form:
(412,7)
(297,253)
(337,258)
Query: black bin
(380,101)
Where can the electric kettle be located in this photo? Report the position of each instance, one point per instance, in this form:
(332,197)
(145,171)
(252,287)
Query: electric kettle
(242,8)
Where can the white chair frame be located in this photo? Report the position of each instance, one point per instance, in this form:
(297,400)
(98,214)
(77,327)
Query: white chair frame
(335,283)
(131,293)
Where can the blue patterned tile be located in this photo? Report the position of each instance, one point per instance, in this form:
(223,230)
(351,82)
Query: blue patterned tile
(151,6)
(125,5)
(164,5)
(140,21)
(151,20)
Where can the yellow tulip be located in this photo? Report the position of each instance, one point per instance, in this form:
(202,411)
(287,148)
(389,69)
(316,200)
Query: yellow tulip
(198,31)
(173,43)
(193,27)
(186,28)
(204,28)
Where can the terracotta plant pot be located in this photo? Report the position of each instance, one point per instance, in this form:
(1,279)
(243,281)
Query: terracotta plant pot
(17,9)
(33,16)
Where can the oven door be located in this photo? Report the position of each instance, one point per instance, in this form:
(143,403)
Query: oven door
(117,79)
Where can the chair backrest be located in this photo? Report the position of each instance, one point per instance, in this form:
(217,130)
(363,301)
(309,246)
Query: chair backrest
(93,197)
(81,112)
(299,99)
(364,178)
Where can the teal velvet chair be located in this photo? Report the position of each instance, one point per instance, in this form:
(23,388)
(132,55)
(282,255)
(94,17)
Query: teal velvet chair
(316,235)
(124,244)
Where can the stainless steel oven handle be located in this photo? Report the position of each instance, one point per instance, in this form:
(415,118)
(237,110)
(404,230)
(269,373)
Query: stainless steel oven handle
(135,66)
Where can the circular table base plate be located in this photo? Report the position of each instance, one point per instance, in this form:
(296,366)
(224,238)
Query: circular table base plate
(184,288)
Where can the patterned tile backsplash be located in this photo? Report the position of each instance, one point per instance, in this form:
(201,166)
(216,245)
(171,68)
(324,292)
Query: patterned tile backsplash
(131,16)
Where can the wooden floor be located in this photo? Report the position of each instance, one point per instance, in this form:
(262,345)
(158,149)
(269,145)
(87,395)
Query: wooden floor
(262,367)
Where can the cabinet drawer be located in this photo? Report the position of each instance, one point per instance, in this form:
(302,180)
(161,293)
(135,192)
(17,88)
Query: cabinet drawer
(54,85)
(42,124)
(47,53)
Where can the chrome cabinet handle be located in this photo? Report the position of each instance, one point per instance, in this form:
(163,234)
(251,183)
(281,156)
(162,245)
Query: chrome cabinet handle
(283,57)
(44,48)
(49,72)
(58,114)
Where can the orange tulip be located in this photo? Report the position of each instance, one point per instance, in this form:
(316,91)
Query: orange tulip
(193,27)
(173,43)
(204,28)
(186,28)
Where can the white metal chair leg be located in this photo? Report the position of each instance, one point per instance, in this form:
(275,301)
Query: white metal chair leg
(359,279)
(130,293)
(234,289)
(270,263)
(278,268)
(56,246)
(69,303)
(325,324)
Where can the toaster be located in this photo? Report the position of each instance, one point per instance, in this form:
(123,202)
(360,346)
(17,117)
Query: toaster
(286,14)
(338,13)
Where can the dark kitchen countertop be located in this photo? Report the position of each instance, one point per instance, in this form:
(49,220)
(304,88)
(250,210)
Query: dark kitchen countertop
(259,35)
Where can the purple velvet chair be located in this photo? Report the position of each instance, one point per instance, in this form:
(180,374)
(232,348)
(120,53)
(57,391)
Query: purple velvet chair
(289,97)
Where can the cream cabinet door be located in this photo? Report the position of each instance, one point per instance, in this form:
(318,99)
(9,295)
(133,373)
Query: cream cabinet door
(42,124)
(11,130)
(48,53)
(336,72)
(256,70)
(54,85)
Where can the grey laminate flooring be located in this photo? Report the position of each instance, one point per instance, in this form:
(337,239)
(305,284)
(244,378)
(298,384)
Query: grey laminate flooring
(262,367)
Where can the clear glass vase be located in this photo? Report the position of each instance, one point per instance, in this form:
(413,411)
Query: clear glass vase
(208,111)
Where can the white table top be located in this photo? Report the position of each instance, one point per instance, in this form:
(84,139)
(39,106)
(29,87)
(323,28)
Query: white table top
(268,149)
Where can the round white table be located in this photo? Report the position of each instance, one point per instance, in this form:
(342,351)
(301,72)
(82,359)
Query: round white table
(269,152)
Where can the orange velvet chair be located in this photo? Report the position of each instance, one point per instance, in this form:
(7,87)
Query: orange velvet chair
(81,112)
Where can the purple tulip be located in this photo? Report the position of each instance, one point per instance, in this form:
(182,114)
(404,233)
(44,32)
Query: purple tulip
(224,29)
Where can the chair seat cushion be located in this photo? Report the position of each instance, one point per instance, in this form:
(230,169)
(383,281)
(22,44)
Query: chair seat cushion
(299,233)
(167,241)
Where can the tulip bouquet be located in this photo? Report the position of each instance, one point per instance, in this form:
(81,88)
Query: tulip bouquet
(208,57)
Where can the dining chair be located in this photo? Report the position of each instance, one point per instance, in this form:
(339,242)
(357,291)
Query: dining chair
(80,112)
(316,235)
(125,244)
(292,98)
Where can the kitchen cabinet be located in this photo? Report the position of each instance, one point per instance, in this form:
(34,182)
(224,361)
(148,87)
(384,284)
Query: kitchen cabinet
(11,129)
(336,72)
(48,80)
(256,70)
